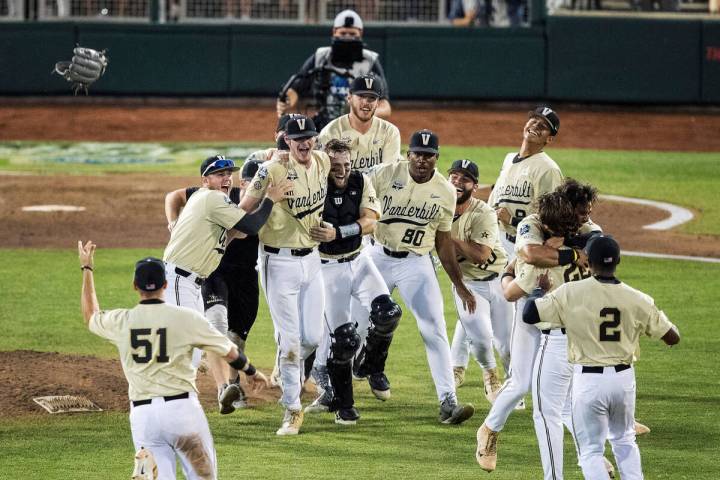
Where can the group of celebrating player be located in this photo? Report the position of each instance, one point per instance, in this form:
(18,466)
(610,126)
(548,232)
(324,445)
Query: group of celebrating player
(334,222)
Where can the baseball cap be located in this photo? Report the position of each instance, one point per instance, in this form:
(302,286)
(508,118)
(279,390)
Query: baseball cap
(367,85)
(283,120)
(549,115)
(348,19)
(150,274)
(300,127)
(603,250)
(467,167)
(250,168)
(424,141)
(217,163)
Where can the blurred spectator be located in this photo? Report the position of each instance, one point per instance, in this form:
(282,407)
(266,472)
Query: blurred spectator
(662,5)
(483,13)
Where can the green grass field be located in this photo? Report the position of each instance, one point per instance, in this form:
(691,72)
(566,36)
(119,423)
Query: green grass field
(678,392)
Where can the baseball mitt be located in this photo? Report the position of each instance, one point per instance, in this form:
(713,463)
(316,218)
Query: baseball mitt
(85,68)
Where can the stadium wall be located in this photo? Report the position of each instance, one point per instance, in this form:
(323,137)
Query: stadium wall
(569,58)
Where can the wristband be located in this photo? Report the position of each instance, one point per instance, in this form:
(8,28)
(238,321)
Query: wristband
(349,230)
(251,370)
(507,274)
(566,256)
(515,221)
(86,267)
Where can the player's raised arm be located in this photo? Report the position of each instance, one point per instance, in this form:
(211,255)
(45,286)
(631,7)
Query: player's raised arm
(174,202)
(88,299)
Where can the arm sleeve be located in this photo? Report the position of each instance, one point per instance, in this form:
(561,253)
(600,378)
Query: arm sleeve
(550,309)
(221,210)
(484,228)
(206,337)
(107,324)
(189,191)
(252,222)
(392,146)
(657,323)
(547,182)
(369,198)
(447,213)
(377,69)
(528,234)
(258,185)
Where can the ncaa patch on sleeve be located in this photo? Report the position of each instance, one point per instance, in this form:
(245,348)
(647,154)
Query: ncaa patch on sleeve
(524,229)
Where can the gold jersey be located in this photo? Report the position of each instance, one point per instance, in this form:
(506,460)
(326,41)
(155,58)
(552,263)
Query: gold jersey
(290,220)
(380,144)
(156,342)
(530,232)
(198,240)
(521,183)
(411,212)
(478,223)
(603,320)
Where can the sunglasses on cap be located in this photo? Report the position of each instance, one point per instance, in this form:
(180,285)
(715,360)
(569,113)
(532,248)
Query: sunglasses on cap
(219,165)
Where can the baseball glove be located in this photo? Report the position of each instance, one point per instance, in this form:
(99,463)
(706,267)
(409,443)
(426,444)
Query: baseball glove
(85,68)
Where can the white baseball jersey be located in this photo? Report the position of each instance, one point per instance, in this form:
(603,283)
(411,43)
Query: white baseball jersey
(478,223)
(379,145)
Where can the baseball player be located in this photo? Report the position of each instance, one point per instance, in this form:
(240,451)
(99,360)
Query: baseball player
(373,141)
(155,342)
(230,294)
(604,319)
(525,176)
(326,75)
(197,242)
(418,205)
(289,261)
(351,211)
(482,259)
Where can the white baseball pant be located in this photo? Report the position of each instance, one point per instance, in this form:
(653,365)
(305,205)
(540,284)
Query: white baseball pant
(414,276)
(524,341)
(295,295)
(167,428)
(603,407)
(490,324)
(184,292)
(357,280)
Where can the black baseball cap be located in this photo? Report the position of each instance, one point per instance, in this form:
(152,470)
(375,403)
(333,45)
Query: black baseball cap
(150,274)
(367,85)
(424,141)
(250,168)
(217,163)
(300,127)
(549,115)
(468,167)
(603,250)
(284,119)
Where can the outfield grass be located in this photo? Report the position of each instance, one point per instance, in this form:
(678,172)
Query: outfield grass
(686,179)
(677,392)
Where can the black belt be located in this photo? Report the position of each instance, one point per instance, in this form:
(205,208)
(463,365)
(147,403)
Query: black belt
(618,368)
(390,253)
(511,238)
(547,332)
(486,279)
(295,252)
(184,273)
(180,396)
(349,258)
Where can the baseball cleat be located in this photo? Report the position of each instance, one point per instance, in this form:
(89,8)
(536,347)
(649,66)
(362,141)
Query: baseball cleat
(454,413)
(227,396)
(459,374)
(292,421)
(145,466)
(347,416)
(492,384)
(641,429)
(609,467)
(379,385)
(486,453)
(520,405)
(242,401)
(320,405)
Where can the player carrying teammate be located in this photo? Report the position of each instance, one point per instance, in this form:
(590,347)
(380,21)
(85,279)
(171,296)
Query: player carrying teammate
(418,205)
(604,319)
(155,342)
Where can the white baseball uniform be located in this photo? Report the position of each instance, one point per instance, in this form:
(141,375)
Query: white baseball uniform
(411,214)
(155,342)
(290,264)
(604,319)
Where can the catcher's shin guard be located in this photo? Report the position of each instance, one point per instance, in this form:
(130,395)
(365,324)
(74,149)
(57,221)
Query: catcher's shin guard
(384,318)
(344,342)
(145,466)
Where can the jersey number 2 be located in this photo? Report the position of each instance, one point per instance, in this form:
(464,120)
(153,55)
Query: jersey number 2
(137,342)
(605,335)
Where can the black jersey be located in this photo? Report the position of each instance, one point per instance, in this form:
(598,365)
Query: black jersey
(341,208)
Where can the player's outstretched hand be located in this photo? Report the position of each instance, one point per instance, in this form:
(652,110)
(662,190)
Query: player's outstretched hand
(503,215)
(258,381)
(86,253)
(280,191)
(323,233)
(467,298)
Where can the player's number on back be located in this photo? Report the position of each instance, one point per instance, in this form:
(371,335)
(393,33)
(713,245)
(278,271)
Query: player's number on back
(606,335)
(413,237)
(138,341)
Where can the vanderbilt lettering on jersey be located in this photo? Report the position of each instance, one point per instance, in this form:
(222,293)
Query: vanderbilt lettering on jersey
(478,223)
(521,182)
(289,223)
(380,144)
(197,242)
(411,212)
